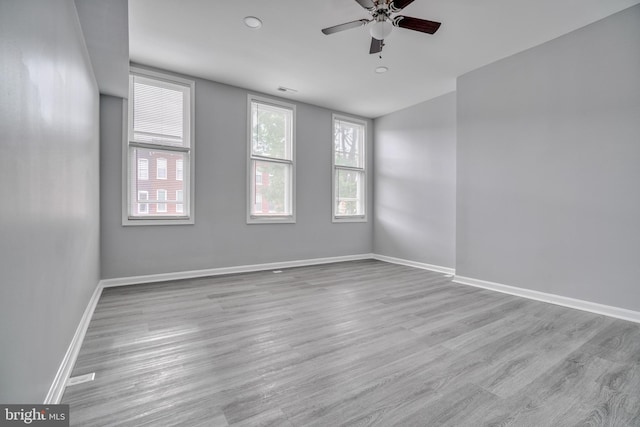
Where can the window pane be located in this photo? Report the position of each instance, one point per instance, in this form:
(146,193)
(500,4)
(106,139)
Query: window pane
(143,169)
(158,111)
(273,195)
(179,169)
(349,193)
(179,206)
(271,131)
(349,142)
(161,196)
(143,208)
(161,168)
(150,187)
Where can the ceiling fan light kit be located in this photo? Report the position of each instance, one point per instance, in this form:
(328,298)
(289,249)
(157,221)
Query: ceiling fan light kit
(383,22)
(380,30)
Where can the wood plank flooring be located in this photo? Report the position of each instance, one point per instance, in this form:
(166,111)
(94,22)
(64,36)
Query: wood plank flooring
(362,343)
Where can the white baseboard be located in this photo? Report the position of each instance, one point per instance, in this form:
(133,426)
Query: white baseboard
(150,278)
(436,268)
(64,371)
(607,310)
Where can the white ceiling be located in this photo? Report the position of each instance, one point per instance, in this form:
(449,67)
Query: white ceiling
(208,39)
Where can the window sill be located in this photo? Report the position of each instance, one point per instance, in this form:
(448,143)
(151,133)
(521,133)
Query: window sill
(339,219)
(160,221)
(271,220)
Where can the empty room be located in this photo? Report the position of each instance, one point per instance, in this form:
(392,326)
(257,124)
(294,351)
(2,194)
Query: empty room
(320,213)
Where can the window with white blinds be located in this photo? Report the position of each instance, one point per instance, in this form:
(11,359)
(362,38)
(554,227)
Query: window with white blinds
(160,150)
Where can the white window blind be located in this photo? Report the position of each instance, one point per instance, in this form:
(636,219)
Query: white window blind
(158,112)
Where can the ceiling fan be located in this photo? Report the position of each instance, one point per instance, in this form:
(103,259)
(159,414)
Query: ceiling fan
(383,22)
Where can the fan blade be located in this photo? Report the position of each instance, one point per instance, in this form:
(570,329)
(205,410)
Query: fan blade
(367,4)
(416,24)
(376,45)
(345,26)
(398,5)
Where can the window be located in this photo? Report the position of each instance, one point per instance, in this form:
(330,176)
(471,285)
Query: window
(349,174)
(160,135)
(143,208)
(161,197)
(161,168)
(179,170)
(271,161)
(143,169)
(179,205)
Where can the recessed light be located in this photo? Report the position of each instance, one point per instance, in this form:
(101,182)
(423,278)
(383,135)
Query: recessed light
(381,70)
(252,22)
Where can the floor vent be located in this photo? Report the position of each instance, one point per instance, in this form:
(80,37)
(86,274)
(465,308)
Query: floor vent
(81,379)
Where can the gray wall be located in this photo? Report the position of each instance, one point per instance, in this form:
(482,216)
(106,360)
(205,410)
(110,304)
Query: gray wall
(548,166)
(221,237)
(105,26)
(49,211)
(415,183)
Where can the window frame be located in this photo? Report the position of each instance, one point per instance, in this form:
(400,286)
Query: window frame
(270,219)
(335,168)
(129,217)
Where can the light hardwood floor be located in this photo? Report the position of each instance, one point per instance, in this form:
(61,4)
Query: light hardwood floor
(362,343)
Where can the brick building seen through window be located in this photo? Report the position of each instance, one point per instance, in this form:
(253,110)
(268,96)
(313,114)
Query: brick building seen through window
(160,183)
